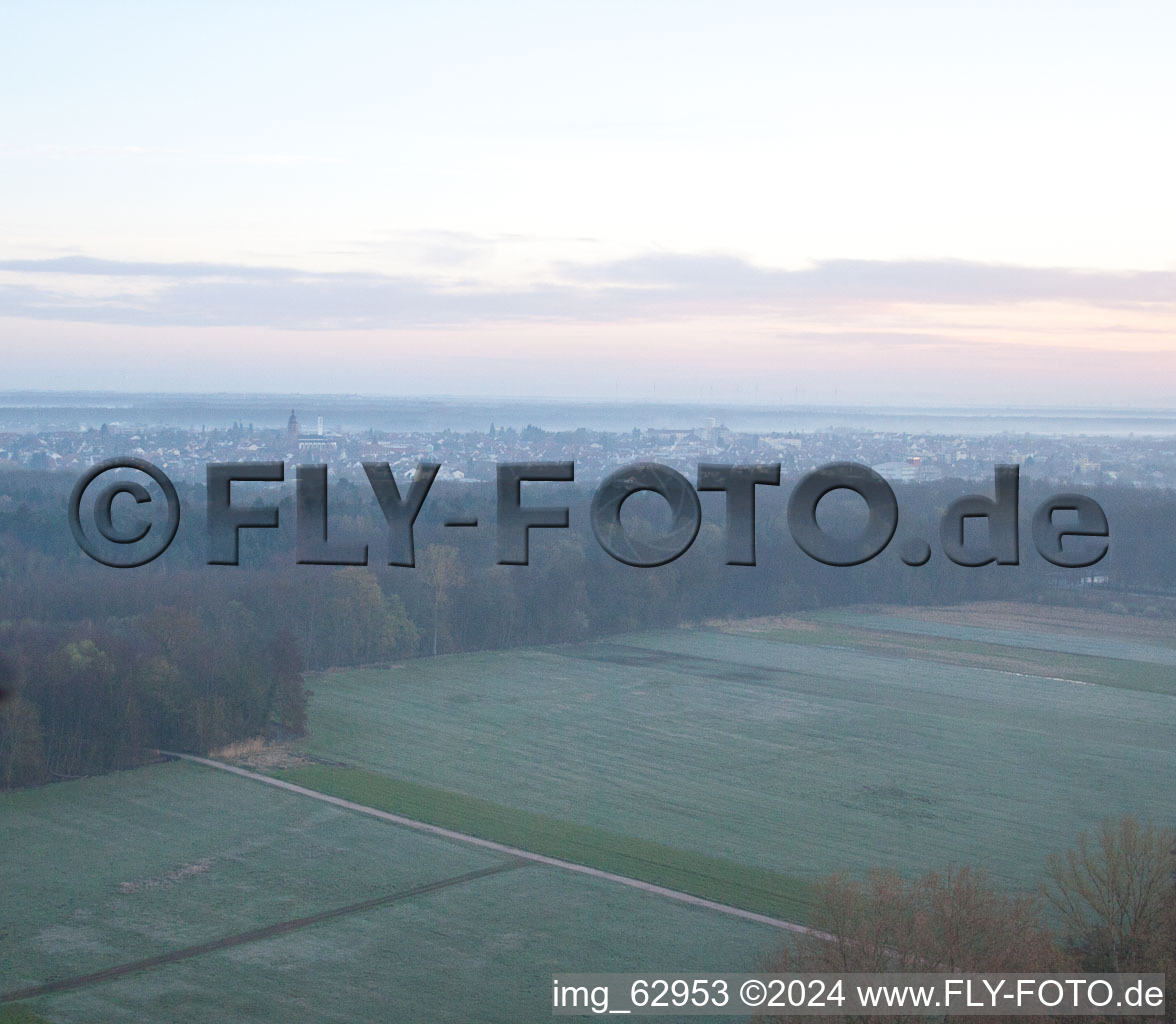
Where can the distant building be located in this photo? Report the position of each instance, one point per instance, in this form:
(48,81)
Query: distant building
(292,428)
(318,443)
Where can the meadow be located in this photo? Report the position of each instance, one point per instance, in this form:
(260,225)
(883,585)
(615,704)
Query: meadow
(739,761)
(107,871)
(796,750)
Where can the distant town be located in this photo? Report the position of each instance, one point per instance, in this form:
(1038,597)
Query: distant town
(471,455)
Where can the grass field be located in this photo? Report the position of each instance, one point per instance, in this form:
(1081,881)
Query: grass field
(1149,649)
(19,1015)
(740,885)
(480,953)
(107,871)
(794,758)
(970,646)
(738,762)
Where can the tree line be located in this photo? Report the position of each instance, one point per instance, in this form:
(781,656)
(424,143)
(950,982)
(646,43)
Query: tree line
(1108,905)
(102,663)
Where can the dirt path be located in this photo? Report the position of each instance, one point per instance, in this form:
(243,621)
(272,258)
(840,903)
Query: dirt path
(254,935)
(511,851)
(517,858)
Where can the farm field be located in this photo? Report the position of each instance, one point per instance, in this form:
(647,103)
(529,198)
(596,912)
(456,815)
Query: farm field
(739,761)
(1152,651)
(1105,660)
(103,872)
(792,756)
(1050,620)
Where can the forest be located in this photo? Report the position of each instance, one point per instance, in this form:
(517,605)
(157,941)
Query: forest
(98,665)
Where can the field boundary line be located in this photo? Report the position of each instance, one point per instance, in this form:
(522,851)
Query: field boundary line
(253,935)
(511,851)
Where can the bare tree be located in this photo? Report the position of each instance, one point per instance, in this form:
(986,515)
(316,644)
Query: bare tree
(1114,891)
(445,575)
(954,922)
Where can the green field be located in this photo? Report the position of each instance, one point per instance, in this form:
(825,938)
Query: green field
(107,871)
(1152,670)
(1104,642)
(792,758)
(739,762)
(727,881)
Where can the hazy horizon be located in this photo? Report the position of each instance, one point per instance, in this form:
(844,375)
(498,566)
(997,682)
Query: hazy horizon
(13,393)
(47,410)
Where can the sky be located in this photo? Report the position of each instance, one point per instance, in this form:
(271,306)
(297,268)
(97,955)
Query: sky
(793,202)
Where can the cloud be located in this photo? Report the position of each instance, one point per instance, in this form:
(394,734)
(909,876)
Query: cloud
(654,286)
(88,266)
(924,281)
